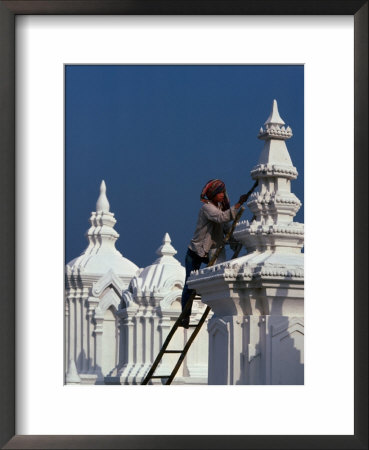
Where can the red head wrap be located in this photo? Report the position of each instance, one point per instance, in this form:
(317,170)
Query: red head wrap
(211,189)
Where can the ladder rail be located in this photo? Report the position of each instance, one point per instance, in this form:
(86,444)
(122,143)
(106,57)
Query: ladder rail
(167,342)
(188,345)
(163,350)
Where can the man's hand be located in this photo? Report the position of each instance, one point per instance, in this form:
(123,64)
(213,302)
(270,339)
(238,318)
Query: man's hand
(243,199)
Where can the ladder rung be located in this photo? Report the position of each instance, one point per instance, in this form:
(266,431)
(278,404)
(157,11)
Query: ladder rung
(182,315)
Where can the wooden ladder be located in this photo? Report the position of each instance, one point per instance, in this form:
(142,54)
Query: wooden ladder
(182,353)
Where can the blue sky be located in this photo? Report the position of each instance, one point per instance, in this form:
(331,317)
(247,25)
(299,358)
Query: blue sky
(157,133)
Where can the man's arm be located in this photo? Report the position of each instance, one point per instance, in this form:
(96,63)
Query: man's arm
(216,215)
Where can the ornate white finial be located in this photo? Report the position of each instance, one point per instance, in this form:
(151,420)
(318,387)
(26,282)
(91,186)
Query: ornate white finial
(166,249)
(163,279)
(274,117)
(273,204)
(102,203)
(101,256)
(274,127)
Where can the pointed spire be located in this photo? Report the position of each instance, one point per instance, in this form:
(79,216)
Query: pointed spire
(166,249)
(273,205)
(274,117)
(102,203)
(274,127)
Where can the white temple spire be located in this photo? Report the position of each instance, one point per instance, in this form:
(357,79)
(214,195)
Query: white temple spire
(274,117)
(94,283)
(101,255)
(166,249)
(102,203)
(275,130)
(273,204)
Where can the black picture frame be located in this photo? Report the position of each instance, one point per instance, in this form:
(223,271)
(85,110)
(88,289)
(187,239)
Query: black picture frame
(8,12)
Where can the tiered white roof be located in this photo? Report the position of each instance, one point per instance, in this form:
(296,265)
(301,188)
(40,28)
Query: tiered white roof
(165,277)
(101,256)
(273,204)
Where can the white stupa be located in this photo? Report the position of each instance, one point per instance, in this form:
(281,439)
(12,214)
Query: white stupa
(100,256)
(94,283)
(161,283)
(150,306)
(273,204)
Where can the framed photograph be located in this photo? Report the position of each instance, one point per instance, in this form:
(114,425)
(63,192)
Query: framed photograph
(53,52)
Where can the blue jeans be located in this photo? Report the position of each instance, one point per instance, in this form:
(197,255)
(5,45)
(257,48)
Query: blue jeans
(193,262)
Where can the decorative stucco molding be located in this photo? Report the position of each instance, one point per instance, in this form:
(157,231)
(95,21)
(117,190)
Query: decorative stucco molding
(256,332)
(94,283)
(101,256)
(149,308)
(109,279)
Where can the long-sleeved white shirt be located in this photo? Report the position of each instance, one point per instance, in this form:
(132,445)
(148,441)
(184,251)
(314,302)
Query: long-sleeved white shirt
(209,229)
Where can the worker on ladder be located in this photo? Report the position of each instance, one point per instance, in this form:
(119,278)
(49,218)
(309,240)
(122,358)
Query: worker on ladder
(212,221)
